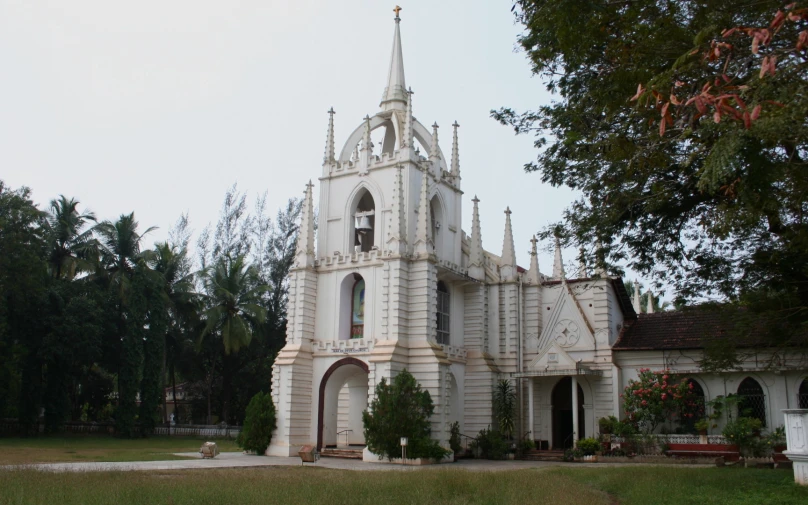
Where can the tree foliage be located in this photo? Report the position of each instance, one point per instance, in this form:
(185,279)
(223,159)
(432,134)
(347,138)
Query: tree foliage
(401,409)
(682,123)
(259,423)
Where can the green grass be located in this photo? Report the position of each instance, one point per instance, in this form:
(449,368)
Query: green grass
(685,486)
(50,449)
(310,485)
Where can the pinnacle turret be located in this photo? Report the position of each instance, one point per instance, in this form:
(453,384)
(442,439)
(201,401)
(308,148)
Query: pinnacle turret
(636,298)
(476,259)
(650,308)
(558,263)
(397,243)
(533,275)
(304,254)
(508,266)
(455,166)
(408,138)
(330,150)
(434,150)
(582,270)
(395,93)
(423,232)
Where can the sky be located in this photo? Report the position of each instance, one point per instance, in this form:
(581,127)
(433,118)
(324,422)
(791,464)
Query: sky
(158,107)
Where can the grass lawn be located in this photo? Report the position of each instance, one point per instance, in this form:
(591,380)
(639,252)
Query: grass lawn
(51,449)
(310,485)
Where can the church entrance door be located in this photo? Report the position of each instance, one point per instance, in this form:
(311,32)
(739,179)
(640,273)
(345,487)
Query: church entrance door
(343,398)
(563,437)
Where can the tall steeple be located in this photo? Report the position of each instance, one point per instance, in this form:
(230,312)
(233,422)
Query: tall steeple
(455,167)
(423,231)
(533,275)
(508,266)
(330,150)
(397,243)
(635,302)
(304,255)
(476,259)
(650,308)
(558,264)
(395,93)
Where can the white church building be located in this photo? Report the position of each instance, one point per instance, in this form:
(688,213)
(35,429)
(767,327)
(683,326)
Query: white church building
(390,281)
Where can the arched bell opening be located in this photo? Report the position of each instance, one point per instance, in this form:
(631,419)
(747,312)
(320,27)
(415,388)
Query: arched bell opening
(343,398)
(363,222)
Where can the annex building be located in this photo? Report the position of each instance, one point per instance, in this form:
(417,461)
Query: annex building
(390,281)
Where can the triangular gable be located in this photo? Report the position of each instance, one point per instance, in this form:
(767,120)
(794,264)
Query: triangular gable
(553,357)
(567,326)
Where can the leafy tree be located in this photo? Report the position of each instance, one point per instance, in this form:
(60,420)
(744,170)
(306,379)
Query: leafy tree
(401,409)
(683,126)
(259,423)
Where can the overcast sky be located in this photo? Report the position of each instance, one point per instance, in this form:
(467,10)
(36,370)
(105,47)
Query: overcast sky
(160,106)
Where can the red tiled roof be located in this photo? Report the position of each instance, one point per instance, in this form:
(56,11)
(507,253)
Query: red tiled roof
(686,329)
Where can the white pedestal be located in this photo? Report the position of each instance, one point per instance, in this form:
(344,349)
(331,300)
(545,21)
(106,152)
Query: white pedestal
(797,440)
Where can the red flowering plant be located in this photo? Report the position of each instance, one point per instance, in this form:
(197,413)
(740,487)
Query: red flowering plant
(657,397)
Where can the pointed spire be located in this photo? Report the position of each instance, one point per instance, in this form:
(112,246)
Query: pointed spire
(397,243)
(367,145)
(304,255)
(476,262)
(533,274)
(408,139)
(423,231)
(455,168)
(508,266)
(434,151)
(558,264)
(330,151)
(600,259)
(635,302)
(582,273)
(395,94)
(650,308)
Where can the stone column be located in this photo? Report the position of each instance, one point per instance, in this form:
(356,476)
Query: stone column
(531,425)
(797,440)
(575,433)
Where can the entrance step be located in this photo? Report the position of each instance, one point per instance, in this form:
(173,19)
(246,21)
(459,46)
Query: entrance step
(536,455)
(342,452)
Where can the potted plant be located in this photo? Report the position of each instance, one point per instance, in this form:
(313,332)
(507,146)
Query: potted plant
(606,425)
(702,425)
(588,448)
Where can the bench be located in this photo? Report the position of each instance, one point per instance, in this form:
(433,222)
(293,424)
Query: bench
(729,452)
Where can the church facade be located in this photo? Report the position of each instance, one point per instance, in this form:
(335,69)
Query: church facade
(390,282)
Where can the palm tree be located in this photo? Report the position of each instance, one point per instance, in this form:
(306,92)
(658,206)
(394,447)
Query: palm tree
(233,296)
(70,246)
(181,300)
(120,247)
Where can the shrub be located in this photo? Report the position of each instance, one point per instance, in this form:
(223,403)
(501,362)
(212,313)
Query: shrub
(657,397)
(744,432)
(454,437)
(505,407)
(401,409)
(607,424)
(588,446)
(492,444)
(259,423)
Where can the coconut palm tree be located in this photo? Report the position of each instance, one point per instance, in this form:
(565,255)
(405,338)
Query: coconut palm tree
(120,248)
(234,309)
(70,244)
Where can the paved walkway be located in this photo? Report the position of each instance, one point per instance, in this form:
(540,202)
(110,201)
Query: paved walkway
(240,460)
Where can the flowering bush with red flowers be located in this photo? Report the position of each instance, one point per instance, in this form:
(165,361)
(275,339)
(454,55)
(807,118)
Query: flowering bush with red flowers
(657,397)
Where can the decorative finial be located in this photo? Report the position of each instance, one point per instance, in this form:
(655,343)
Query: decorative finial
(397,10)
(533,242)
(508,211)
(475,199)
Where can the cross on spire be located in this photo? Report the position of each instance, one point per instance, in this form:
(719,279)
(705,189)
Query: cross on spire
(397,10)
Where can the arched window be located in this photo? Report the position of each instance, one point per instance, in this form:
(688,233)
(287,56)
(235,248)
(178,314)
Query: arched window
(753,400)
(364,223)
(358,309)
(692,413)
(802,395)
(443,313)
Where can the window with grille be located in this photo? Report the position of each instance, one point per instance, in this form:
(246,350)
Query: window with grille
(694,410)
(358,308)
(443,314)
(802,395)
(753,401)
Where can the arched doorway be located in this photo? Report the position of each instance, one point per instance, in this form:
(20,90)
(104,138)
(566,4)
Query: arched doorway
(562,414)
(343,398)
